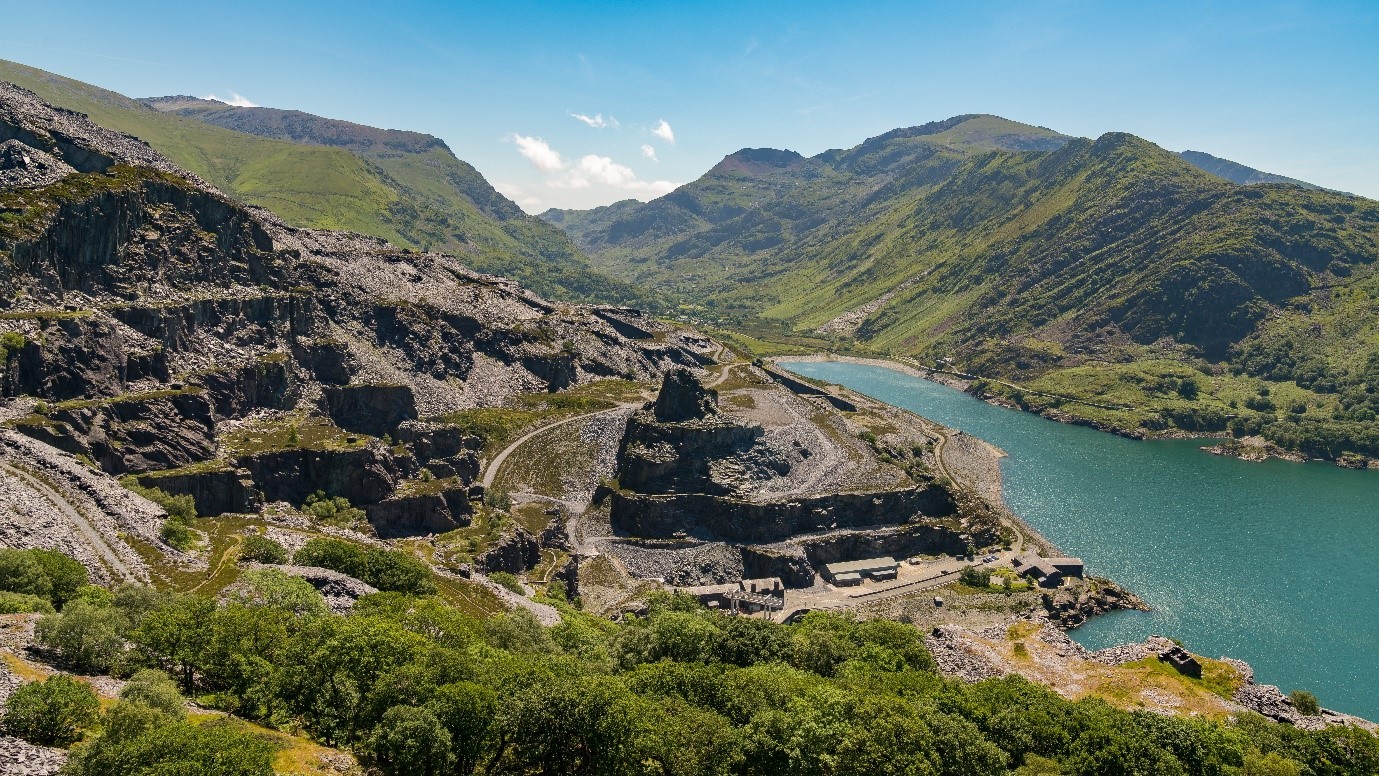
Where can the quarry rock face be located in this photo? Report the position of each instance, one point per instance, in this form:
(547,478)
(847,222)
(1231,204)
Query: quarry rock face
(683,398)
(670,446)
(687,470)
(151,315)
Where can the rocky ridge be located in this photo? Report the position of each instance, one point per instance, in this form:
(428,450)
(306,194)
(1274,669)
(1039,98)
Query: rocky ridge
(161,330)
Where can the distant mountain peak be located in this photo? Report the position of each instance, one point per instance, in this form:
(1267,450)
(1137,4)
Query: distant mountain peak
(756,160)
(1236,172)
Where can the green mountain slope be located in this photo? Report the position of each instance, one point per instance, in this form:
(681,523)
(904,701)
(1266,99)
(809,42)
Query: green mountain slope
(1109,271)
(406,187)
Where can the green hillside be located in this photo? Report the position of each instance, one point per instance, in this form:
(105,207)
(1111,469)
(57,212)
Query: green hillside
(416,194)
(1105,270)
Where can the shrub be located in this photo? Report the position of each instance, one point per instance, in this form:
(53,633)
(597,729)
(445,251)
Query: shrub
(498,499)
(335,510)
(508,581)
(83,636)
(52,712)
(154,689)
(384,569)
(177,534)
(181,508)
(14,603)
(1305,702)
(20,572)
(140,739)
(261,549)
(410,741)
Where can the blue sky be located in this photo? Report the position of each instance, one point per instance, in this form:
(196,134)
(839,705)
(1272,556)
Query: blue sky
(668,89)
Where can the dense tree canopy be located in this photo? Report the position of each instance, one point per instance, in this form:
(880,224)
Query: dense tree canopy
(415,686)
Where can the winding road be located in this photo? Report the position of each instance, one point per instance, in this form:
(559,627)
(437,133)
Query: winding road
(491,472)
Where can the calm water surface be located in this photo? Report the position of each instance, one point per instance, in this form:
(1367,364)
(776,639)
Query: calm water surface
(1274,563)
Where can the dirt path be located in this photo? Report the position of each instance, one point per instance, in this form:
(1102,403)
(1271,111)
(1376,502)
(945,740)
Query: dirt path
(93,537)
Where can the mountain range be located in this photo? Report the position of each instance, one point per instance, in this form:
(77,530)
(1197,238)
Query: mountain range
(1092,270)
(406,187)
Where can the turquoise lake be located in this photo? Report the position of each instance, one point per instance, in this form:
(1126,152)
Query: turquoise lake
(1274,563)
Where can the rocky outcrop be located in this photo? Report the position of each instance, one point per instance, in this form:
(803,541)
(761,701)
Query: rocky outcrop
(788,563)
(515,552)
(363,475)
(25,167)
(267,383)
(1069,607)
(420,514)
(674,443)
(443,449)
(216,491)
(709,517)
(369,409)
(136,434)
(899,542)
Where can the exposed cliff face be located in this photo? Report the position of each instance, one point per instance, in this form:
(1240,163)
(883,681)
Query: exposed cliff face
(715,517)
(152,313)
(687,468)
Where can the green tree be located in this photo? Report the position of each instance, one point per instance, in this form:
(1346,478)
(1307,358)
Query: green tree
(410,741)
(65,575)
(20,572)
(261,549)
(275,589)
(1305,702)
(53,712)
(83,636)
(466,711)
(155,689)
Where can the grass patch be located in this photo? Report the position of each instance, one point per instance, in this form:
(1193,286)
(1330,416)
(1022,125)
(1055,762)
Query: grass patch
(77,404)
(288,433)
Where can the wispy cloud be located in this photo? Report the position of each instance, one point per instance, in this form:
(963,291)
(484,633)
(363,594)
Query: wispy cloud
(649,152)
(664,132)
(597,121)
(236,99)
(517,194)
(539,153)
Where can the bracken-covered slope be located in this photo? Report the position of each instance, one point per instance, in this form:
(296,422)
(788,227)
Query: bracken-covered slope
(1020,254)
(405,187)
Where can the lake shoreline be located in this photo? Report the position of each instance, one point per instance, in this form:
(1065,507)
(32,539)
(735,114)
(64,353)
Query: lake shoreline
(1251,449)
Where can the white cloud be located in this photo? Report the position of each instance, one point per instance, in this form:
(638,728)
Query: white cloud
(597,121)
(664,132)
(236,99)
(594,170)
(517,194)
(539,153)
(649,152)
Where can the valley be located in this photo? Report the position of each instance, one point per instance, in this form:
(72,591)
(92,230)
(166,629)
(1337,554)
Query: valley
(317,455)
